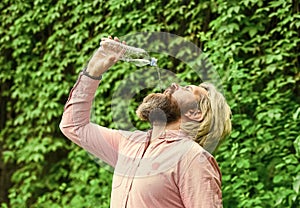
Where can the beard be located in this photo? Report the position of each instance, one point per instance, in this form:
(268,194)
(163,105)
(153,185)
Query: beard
(158,107)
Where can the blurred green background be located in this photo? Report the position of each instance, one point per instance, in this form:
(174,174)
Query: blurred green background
(254,45)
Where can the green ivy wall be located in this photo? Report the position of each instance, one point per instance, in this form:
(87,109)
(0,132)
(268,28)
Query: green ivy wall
(254,45)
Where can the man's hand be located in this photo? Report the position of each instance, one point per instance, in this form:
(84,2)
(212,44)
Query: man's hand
(102,59)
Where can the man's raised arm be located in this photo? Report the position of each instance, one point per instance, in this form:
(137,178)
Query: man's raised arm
(75,124)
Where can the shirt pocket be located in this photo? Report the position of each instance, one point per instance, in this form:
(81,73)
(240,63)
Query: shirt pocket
(117,181)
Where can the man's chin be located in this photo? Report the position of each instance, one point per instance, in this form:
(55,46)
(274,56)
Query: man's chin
(158,107)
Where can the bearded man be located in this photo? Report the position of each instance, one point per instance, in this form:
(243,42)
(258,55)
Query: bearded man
(171,164)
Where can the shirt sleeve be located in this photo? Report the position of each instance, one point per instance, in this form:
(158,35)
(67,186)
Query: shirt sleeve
(200,185)
(75,124)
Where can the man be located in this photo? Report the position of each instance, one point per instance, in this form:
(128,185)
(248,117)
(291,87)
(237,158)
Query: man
(166,166)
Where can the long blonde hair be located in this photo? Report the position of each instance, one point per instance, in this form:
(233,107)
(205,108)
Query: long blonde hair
(216,123)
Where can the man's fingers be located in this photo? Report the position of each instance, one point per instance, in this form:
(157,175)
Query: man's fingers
(113,52)
(111,60)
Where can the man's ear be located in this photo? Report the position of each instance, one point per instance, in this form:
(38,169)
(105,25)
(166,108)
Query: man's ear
(194,115)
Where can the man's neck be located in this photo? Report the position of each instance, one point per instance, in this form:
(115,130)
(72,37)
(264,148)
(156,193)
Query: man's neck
(159,128)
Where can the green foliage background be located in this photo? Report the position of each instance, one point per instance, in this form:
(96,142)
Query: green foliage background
(253,44)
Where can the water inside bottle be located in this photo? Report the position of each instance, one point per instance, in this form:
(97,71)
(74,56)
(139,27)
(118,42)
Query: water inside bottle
(138,62)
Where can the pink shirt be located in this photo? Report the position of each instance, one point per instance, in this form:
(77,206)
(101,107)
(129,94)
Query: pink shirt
(172,171)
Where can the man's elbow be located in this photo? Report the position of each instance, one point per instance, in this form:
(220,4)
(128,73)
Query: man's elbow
(66,129)
(69,131)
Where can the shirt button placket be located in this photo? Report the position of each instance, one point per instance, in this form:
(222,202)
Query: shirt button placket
(132,173)
(129,182)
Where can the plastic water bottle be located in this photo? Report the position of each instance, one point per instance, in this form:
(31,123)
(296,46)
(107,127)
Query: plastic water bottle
(130,54)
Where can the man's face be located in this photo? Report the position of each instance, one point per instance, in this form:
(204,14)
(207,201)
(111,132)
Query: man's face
(187,97)
(168,106)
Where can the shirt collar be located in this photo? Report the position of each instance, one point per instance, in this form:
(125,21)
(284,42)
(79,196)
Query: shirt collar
(171,135)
